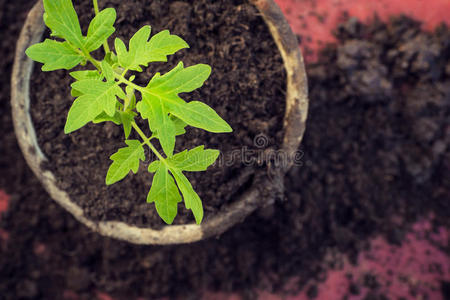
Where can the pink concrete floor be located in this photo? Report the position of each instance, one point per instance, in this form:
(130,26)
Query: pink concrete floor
(399,269)
(314,20)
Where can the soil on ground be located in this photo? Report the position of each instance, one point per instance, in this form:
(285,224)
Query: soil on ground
(375,159)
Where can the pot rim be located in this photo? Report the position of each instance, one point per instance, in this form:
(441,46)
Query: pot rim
(293,126)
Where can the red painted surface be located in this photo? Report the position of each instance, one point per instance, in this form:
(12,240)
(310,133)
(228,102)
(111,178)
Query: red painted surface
(4,202)
(70,295)
(314,20)
(40,249)
(4,237)
(103,296)
(413,266)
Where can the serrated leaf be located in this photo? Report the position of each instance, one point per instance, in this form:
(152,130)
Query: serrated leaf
(83,111)
(111,58)
(86,74)
(179,125)
(127,118)
(130,102)
(122,54)
(54,55)
(165,194)
(152,108)
(197,159)
(61,18)
(107,71)
(145,109)
(81,75)
(198,114)
(100,28)
(179,80)
(100,92)
(75,93)
(154,166)
(103,117)
(125,160)
(191,199)
(142,50)
(163,44)
(135,56)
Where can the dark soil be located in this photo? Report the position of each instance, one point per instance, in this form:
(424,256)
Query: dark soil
(246,88)
(375,160)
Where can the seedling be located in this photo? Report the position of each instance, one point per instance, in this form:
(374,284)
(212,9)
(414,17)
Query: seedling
(108,94)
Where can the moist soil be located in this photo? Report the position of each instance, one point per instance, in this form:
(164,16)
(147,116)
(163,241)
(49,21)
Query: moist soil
(375,160)
(246,88)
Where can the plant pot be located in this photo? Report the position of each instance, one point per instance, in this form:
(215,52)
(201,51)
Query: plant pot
(248,201)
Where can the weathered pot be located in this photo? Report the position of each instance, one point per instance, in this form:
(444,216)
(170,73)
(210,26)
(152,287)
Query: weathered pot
(294,126)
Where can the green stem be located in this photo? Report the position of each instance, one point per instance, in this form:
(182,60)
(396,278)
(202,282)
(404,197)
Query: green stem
(120,77)
(95,7)
(148,143)
(127,82)
(96,10)
(95,62)
(136,87)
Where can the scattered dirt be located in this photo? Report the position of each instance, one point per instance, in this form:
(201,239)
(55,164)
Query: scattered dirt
(246,88)
(375,159)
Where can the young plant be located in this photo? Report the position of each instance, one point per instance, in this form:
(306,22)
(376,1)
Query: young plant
(107,94)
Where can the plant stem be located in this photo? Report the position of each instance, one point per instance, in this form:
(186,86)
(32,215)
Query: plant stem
(121,78)
(105,44)
(133,85)
(95,62)
(95,7)
(149,144)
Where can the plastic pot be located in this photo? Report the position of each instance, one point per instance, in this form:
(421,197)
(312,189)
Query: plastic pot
(251,199)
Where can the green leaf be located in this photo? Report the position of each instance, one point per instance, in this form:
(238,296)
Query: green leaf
(165,194)
(54,55)
(86,74)
(163,44)
(145,109)
(107,71)
(61,18)
(142,51)
(136,55)
(154,166)
(179,125)
(197,114)
(125,160)
(191,199)
(81,75)
(152,108)
(83,110)
(103,117)
(100,92)
(127,118)
(123,58)
(75,93)
(183,80)
(130,102)
(197,159)
(179,79)
(100,28)
(111,58)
